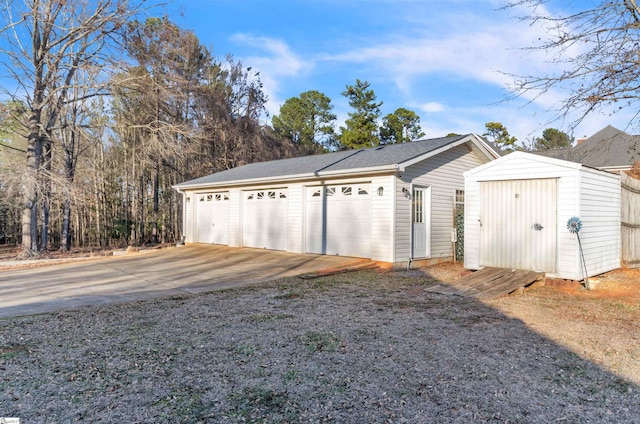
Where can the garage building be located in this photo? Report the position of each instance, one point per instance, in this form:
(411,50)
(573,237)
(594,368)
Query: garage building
(392,203)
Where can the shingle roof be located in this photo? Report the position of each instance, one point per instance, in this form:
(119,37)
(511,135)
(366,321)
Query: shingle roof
(389,154)
(608,148)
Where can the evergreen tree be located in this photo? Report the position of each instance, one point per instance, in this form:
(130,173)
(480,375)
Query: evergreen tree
(553,139)
(498,134)
(307,121)
(361,129)
(401,126)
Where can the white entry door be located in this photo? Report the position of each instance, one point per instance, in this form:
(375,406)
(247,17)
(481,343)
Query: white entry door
(421,218)
(264,222)
(518,220)
(338,220)
(212,218)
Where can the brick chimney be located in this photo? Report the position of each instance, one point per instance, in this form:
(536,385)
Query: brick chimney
(581,139)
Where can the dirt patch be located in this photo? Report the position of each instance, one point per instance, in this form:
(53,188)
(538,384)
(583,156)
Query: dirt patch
(446,272)
(9,252)
(12,252)
(363,347)
(11,255)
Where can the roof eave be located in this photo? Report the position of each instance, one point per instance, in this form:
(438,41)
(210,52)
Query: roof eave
(291,178)
(477,141)
(615,167)
(485,147)
(517,154)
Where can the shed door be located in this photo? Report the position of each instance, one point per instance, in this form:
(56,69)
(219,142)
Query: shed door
(518,224)
(212,212)
(338,220)
(264,218)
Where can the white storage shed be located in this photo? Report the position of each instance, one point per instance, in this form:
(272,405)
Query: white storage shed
(517,209)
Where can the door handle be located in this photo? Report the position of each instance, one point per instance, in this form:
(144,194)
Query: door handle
(537,227)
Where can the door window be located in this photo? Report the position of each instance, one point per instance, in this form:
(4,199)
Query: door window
(418,212)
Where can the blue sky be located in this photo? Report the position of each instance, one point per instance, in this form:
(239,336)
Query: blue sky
(446,60)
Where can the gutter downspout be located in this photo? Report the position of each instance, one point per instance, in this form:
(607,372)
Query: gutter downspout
(410,226)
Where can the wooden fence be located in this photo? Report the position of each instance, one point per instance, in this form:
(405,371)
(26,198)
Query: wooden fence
(630,220)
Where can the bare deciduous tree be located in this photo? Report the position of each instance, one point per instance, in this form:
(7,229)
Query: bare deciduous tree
(595,54)
(45,43)
(105,149)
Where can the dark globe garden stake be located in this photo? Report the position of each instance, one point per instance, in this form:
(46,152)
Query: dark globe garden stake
(574,225)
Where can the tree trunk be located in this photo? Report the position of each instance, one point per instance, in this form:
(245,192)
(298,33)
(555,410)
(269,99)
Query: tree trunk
(69,171)
(45,178)
(141,216)
(96,199)
(65,243)
(133,205)
(156,202)
(30,182)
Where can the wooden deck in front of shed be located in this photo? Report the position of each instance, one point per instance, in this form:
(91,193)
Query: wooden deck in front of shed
(489,283)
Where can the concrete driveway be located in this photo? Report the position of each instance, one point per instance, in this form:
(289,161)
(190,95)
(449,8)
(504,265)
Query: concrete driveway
(159,273)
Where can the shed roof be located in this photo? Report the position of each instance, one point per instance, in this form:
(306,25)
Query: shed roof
(385,157)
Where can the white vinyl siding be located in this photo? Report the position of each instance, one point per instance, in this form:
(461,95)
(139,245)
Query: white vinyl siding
(382,219)
(443,174)
(189,224)
(601,222)
(402,221)
(235,215)
(568,206)
(593,196)
(295,222)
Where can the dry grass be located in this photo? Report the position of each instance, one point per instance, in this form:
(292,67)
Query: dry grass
(362,347)
(602,325)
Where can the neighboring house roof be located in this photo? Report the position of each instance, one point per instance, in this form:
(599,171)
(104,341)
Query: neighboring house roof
(388,157)
(608,149)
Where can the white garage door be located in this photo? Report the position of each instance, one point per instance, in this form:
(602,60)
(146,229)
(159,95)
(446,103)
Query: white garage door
(212,218)
(264,221)
(338,220)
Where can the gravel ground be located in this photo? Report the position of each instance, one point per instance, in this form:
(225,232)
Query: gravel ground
(367,347)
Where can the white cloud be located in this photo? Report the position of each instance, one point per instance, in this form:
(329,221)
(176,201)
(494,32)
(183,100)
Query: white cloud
(479,45)
(486,48)
(430,107)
